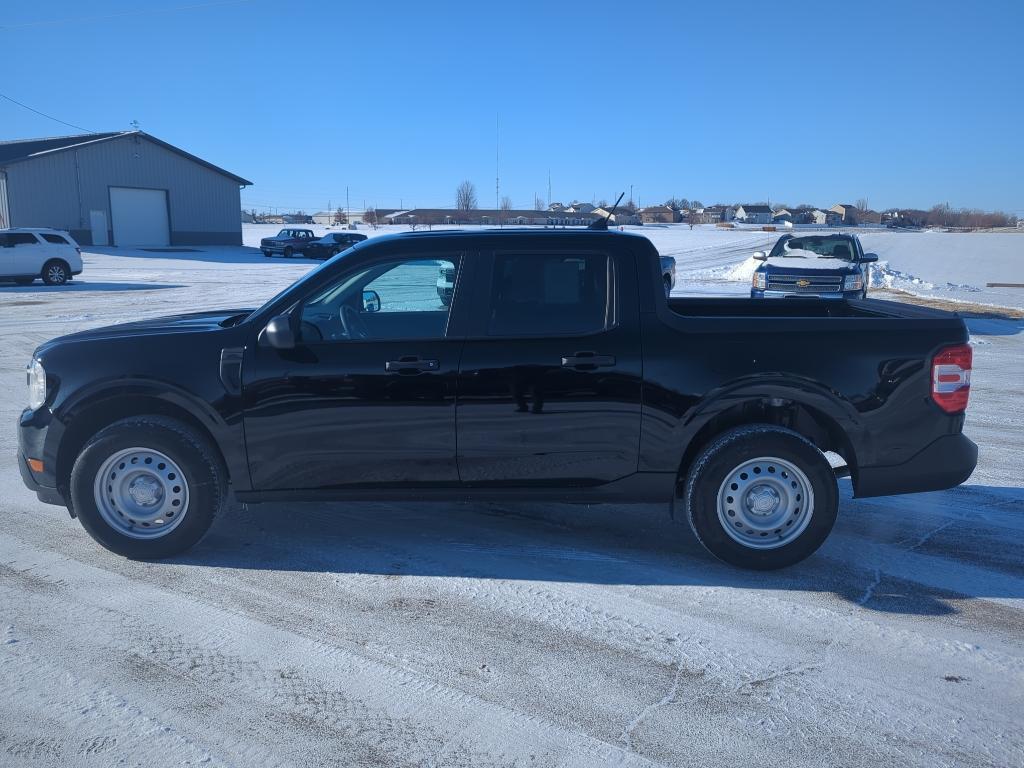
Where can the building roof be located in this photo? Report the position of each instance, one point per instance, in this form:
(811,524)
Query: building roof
(26,149)
(756,208)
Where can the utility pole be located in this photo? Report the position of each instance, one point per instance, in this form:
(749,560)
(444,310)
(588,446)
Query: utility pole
(348,210)
(497,180)
(549,187)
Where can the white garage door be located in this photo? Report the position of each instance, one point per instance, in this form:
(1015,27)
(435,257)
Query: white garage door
(139,216)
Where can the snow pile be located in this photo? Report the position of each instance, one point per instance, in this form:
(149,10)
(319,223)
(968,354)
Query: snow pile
(882,275)
(744,270)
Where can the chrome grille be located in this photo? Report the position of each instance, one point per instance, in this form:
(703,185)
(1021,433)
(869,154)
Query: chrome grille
(814,283)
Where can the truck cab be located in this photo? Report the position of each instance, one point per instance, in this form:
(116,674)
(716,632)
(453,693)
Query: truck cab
(829,266)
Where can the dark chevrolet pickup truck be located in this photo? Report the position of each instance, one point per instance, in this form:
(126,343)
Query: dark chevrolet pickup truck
(559,371)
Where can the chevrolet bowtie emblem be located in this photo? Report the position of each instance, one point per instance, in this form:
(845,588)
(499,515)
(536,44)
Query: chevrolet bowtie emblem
(803,283)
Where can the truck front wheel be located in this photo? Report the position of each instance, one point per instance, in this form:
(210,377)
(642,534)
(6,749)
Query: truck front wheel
(761,497)
(147,487)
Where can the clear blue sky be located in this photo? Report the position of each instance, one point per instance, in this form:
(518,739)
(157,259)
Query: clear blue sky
(904,103)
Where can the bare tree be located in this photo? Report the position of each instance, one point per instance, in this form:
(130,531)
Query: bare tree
(339,216)
(538,203)
(862,204)
(465,196)
(693,218)
(506,208)
(370,216)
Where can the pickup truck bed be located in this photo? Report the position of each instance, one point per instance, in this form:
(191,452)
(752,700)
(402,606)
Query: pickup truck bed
(557,370)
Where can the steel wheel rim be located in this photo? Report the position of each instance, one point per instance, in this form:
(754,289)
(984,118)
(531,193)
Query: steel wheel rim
(765,503)
(141,493)
(56,273)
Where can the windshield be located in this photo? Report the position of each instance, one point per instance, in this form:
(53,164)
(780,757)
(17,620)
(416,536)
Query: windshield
(824,247)
(311,275)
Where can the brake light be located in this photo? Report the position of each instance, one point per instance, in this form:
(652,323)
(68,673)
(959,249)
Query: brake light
(951,377)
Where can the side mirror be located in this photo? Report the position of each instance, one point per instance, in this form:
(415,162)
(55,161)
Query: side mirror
(371,301)
(869,257)
(278,333)
(760,256)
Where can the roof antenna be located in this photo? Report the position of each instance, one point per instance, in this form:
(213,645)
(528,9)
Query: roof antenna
(602,224)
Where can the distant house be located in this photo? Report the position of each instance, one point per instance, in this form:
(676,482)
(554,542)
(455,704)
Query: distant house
(325,218)
(848,213)
(801,215)
(297,218)
(714,214)
(659,214)
(782,216)
(247,218)
(828,218)
(754,213)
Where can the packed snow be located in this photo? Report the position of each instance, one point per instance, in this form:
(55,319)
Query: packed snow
(502,634)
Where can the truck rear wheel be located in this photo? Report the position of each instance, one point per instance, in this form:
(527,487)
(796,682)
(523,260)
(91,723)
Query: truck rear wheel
(761,497)
(147,487)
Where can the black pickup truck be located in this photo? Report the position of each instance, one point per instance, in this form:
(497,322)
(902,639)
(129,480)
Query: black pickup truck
(559,371)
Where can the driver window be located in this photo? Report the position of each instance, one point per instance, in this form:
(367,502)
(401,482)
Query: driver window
(400,299)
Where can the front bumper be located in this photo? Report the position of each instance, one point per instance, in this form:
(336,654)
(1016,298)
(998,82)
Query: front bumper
(945,463)
(34,429)
(44,493)
(759,293)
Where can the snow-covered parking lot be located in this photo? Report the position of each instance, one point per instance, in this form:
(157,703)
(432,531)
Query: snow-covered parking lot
(520,634)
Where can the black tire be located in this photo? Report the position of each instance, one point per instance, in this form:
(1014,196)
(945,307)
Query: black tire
(268,254)
(723,456)
(288,251)
(56,272)
(201,468)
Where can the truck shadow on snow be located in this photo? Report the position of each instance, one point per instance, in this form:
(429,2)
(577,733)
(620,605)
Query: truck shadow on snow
(922,555)
(80,286)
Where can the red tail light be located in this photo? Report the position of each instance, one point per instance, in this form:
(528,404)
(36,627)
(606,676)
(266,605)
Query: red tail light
(951,377)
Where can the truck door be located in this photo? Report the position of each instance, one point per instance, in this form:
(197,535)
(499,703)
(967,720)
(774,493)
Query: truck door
(367,396)
(550,378)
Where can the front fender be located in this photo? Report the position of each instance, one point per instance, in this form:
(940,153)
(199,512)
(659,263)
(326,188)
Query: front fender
(220,416)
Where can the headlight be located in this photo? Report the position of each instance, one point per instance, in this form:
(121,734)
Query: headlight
(853,283)
(758,280)
(36,384)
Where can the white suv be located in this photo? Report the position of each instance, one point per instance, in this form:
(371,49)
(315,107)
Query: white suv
(50,254)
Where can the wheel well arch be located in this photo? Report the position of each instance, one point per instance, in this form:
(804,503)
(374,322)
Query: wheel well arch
(97,414)
(821,429)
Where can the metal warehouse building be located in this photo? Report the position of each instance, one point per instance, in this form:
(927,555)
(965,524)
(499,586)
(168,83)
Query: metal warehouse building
(120,188)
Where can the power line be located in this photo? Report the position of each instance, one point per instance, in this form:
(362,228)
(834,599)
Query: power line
(43,114)
(136,12)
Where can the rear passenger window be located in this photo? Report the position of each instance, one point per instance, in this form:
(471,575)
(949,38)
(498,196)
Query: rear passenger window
(540,294)
(21,238)
(56,239)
